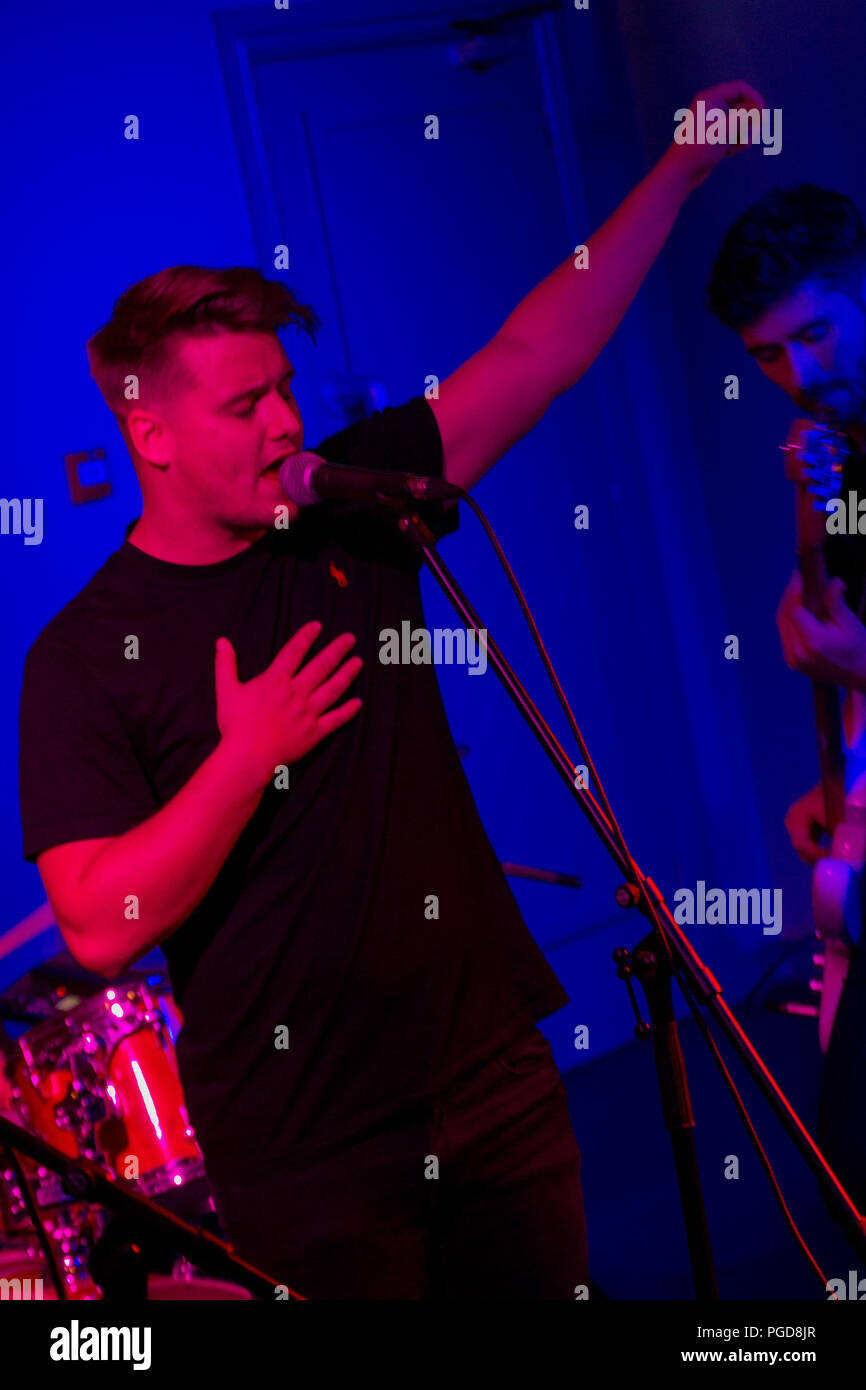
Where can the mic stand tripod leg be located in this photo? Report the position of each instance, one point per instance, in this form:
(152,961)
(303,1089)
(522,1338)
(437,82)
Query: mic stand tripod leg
(648,964)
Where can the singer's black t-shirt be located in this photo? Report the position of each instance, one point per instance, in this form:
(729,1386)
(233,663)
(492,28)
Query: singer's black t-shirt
(363,908)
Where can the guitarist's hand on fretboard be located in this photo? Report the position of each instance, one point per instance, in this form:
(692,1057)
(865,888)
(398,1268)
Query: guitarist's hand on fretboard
(830,647)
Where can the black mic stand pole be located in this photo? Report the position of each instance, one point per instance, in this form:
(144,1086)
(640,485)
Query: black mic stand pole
(655,956)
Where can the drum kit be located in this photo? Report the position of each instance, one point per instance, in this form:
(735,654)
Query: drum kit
(95,1075)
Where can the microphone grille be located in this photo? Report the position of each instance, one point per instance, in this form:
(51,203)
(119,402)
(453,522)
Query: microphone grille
(296,476)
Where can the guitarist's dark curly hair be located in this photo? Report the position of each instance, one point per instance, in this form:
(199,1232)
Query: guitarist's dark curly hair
(789,236)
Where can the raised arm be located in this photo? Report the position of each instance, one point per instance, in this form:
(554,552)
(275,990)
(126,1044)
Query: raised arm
(556,332)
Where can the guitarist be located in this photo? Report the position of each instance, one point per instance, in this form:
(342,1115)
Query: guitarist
(790,279)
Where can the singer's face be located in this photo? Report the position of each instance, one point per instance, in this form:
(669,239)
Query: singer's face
(813,345)
(229,429)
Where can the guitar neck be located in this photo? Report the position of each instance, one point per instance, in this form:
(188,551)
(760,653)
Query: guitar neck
(828,709)
(828,720)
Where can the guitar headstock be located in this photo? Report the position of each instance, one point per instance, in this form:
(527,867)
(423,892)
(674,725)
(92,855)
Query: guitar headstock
(815,456)
(815,459)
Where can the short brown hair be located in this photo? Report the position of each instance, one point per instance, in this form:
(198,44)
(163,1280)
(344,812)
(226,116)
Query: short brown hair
(187,299)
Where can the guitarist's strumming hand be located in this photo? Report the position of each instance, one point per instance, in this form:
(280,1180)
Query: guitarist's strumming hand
(806,823)
(832,649)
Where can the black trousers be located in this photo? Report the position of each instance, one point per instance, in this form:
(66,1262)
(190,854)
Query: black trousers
(478,1196)
(842,1105)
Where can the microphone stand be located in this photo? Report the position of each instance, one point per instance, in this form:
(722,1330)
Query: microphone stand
(657,957)
(138,1222)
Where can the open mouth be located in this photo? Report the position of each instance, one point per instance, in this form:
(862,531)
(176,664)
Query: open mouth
(273,469)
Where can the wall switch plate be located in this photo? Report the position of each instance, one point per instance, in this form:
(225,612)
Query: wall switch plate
(87,475)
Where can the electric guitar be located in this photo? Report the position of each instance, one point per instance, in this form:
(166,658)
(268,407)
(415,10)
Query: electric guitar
(814,462)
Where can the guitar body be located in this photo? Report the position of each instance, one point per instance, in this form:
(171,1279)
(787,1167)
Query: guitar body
(815,460)
(837,881)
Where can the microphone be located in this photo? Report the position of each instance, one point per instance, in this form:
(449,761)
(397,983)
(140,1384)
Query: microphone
(306,479)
